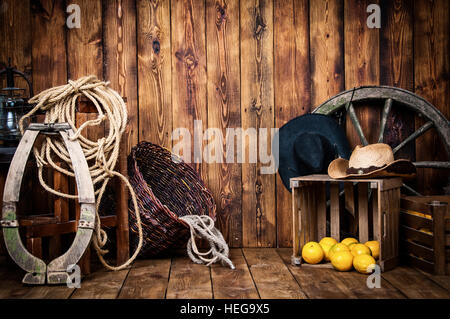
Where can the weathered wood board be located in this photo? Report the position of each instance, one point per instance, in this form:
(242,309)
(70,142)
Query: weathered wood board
(292,88)
(154,58)
(362,65)
(326,49)
(189,99)
(397,68)
(188,280)
(224,179)
(257,111)
(148,279)
(431,80)
(233,283)
(272,278)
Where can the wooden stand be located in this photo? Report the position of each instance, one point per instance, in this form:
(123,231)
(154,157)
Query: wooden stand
(375,204)
(427,250)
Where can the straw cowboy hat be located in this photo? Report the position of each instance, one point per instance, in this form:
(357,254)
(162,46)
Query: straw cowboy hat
(374,160)
(307,144)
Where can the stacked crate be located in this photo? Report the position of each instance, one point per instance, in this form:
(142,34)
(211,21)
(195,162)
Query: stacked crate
(425,233)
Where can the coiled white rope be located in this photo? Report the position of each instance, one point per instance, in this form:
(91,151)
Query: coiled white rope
(59,104)
(202,226)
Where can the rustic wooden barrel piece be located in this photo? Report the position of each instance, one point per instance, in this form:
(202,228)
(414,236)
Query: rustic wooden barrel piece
(37,270)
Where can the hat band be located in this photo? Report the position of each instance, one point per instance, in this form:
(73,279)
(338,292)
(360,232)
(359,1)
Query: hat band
(363,170)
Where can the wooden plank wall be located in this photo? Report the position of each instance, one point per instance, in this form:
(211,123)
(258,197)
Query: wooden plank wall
(231,63)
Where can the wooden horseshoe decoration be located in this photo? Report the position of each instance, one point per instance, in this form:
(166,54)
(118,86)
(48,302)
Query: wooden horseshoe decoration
(56,271)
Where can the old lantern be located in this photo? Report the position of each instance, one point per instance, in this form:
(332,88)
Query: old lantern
(13,105)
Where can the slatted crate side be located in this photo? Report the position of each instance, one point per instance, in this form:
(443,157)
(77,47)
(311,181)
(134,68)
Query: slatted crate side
(447,243)
(321,210)
(335,221)
(363,212)
(417,246)
(308,221)
(440,213)
(419,263)
(376,233)
(388,219)
(309,215)
(429,252)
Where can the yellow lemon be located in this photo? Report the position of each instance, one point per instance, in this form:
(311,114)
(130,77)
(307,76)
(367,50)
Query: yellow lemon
(326,250)
(312,253)
(415,213)
(342,260)
(362,263)
(374,247)
(426,231)
(347,241)
(359,249)
(328,241)
(337,248)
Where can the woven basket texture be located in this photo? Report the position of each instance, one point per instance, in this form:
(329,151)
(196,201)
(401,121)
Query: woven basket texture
(166,189)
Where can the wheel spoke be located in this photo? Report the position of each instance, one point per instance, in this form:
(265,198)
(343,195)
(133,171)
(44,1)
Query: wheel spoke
(351,112)
(411,190)
(433,164)
(386,111)
(414,135)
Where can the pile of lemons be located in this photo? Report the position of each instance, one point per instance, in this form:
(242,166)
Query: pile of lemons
(344,256)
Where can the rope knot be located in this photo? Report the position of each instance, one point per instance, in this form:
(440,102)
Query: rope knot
(75,86)
(203,227)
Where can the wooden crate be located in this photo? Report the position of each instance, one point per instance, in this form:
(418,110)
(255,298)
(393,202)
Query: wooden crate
(429,251)
(375,204)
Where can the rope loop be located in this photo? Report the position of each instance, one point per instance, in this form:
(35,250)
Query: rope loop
(202,226)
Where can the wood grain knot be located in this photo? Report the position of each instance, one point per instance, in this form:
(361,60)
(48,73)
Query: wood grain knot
(156,46)
(38,9)
(221,15)
(259,188)
(260,26)
(188,58)
(257,108)
(154,3)
(222,88)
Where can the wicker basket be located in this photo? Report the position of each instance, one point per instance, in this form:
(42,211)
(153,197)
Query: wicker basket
(165,190)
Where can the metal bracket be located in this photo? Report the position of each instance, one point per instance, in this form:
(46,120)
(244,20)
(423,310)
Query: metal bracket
(57,277)
(82,223)
(294,184)
(49,128)
(5,223)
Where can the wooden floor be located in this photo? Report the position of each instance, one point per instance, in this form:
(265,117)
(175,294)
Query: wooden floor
(260,273)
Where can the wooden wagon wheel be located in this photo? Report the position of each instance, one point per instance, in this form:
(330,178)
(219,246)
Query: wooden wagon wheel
(398,97)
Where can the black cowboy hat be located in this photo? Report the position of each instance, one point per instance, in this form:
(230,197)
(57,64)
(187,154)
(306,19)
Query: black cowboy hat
(308,144)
